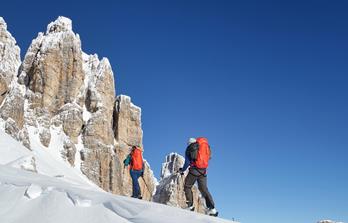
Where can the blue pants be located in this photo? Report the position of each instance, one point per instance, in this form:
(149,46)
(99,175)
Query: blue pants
(135,174)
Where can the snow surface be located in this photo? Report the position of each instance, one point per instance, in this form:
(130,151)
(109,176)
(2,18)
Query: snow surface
(48,161)
(25,195)
(43,197)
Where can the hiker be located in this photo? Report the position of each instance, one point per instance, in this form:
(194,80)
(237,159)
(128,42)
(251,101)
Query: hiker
(197,155)
(135,160)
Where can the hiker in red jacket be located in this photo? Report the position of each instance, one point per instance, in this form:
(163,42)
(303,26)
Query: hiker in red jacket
(135,160)
(197,156)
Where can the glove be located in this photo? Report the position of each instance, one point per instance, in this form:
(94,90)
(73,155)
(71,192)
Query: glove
(181,171)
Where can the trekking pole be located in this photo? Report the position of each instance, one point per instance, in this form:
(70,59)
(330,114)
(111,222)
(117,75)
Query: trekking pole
(145,183)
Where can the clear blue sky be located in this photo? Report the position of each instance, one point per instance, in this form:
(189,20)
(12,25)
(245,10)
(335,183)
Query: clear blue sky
(266,82)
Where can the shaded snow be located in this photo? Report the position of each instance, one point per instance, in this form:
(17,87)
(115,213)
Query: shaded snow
(33,191)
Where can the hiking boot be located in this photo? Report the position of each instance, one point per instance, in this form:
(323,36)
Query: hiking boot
(139,197)
(212,212)
(190,208)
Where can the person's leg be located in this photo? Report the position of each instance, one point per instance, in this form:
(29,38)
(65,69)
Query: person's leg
(189,182)
(135,183)
(139,190)
(202,186)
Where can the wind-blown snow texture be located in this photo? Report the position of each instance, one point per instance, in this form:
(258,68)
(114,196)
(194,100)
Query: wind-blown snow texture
(47,197)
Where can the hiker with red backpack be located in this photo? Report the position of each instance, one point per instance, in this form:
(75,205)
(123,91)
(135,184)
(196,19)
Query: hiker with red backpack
(136,163)
(197,156)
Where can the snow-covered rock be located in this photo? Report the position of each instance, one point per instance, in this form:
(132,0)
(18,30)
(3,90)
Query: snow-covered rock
(62,24)
(11,100)
(9,59)
(39,160)
(329,221)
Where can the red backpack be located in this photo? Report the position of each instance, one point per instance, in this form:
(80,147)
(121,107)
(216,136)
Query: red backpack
(136,159)
(203,154)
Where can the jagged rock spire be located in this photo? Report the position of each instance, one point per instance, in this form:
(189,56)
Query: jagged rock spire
(170,189)
(3,24)
(61,24)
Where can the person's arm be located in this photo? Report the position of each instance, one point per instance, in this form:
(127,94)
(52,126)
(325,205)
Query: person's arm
(186,164)
(127,161)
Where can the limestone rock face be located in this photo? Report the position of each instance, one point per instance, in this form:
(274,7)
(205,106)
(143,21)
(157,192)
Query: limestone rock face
(97,134)
(11,95)
(9,59)
(170,190)
(70,117)
(52,75)
(13,106)
(52,67)
(100,86)
(128,132)
(127,122)
(69,152)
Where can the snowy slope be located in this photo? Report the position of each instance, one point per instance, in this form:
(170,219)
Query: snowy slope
(25,195)
(43,160)
(58,194)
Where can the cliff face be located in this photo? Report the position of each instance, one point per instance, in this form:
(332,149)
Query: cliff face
(58,91)
(9,59)
(11,94)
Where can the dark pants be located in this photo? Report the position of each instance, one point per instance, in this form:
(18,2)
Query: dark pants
(199,176)
(135,174)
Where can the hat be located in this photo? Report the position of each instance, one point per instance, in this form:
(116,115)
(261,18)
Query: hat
(191,140)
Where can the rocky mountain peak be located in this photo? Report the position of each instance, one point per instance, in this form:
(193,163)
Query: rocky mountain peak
(3,24)
(61,24)
(171,166)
